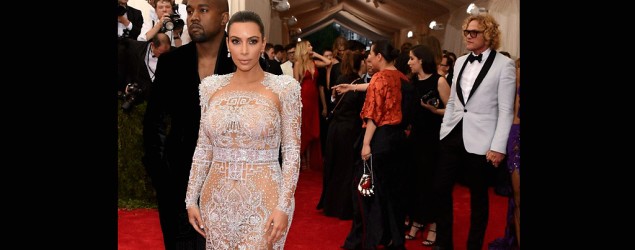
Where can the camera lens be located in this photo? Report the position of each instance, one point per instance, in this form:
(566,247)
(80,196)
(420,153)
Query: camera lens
(168,25)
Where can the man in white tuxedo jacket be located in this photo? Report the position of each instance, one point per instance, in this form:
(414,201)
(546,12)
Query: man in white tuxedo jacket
(475,127)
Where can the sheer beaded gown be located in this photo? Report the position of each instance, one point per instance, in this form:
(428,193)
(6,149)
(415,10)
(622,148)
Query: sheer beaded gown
(235,169)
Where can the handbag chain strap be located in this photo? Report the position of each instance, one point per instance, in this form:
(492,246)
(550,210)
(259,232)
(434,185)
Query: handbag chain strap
(340,100)
(370,169)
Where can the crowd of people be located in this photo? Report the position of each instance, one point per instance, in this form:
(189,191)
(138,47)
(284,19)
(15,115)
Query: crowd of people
(232,120)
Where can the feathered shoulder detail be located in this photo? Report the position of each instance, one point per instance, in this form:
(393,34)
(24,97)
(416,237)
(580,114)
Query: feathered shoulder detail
(209,85)
(281,83)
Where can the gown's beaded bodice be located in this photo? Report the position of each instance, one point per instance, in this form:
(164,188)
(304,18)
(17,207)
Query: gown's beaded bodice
(236,172)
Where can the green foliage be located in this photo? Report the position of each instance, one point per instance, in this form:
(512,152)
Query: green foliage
(323,38)
(133,204)
(134,188)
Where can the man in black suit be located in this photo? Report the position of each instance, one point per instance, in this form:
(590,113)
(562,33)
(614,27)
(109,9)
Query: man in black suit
(138,62)
(174,99)
(129,21)
(273,66)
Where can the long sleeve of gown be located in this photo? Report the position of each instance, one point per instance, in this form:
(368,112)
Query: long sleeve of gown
(202,156)
(290,143)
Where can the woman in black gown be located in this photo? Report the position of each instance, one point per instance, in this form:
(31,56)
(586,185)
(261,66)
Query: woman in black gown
(432,92)
(344,128)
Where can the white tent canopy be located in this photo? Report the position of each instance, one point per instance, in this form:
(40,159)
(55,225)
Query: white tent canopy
(375,19)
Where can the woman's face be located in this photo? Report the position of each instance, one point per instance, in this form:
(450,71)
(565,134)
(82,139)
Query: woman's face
(443,66)
(245,43)
(372,58)
(328,54)
(309,48)
(414,63)
(340,51)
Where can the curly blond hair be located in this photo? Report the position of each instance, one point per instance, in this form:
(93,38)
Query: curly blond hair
(491,33)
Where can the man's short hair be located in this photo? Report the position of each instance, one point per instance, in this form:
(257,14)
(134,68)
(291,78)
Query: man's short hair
(159,39)
(269,46)
(355,45)
(277,48)
(290,46)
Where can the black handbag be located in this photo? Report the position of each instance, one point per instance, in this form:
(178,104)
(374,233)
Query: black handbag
(431,98)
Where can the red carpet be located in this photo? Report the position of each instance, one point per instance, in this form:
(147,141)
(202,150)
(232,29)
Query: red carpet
(139,229)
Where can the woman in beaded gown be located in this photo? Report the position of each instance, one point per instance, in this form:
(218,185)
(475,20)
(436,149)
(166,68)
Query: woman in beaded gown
(238,194)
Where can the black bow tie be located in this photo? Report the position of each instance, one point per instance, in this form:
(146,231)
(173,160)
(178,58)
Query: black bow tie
(471,57)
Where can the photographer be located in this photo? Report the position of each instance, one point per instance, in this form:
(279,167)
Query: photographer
(167,22)
(129,21)
(139,64)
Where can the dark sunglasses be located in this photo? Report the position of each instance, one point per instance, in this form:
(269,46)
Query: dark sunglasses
(472,33)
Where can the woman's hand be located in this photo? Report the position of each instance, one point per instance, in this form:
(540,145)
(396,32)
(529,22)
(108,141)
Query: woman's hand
(432,108)
(342,88)
(276,226)
(194,216)
(365,152)
(162,20)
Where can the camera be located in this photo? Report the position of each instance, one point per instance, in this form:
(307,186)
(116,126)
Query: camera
(430,98)
(175,22)
(130,98)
